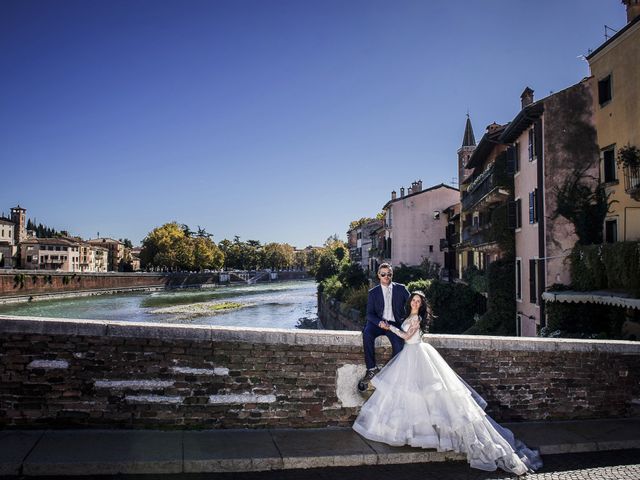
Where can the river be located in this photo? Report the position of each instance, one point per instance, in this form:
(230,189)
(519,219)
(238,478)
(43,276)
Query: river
(289,304)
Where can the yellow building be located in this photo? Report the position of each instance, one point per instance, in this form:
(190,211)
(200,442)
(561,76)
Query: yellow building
(615,70)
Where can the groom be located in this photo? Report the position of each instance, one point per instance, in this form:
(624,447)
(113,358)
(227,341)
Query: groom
(385,306)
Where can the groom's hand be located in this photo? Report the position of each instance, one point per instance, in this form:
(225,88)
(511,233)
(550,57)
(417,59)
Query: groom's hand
(384,325)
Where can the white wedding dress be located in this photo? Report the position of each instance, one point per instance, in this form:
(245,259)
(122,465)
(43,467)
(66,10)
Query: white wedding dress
(420,401)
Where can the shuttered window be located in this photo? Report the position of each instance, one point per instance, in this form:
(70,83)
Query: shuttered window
(533,287)
(533,206)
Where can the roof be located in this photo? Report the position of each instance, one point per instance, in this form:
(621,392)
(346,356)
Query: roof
(435,187)
(522,121)
(468,140)
(50,241)
(5,221)
(103,240)
(614,38)
(485,146)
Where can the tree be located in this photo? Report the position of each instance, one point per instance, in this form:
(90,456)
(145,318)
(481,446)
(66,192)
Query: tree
(206,254)
(583,205)
(278,255)
(127,243)
(160,246)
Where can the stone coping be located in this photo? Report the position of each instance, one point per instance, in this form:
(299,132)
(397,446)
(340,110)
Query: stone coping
(100,328)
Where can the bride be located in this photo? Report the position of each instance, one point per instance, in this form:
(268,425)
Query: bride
(420,401)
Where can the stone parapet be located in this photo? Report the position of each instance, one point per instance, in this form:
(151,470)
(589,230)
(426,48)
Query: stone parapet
(87,373)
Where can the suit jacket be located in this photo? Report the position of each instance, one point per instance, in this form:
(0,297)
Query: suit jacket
(375,303)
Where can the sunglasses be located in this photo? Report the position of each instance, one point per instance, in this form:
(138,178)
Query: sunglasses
(383,274)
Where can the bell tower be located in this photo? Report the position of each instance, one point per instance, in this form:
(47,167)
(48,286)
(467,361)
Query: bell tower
(19,217)
(465,151)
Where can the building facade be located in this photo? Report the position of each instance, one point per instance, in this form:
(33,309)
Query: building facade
(60,254)
(414,224)
(7,243)
(361,244)
(549,142)
(484,196)
(615,70)
(115,248)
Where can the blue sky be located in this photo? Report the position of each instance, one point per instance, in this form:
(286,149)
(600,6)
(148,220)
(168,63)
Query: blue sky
(273,120)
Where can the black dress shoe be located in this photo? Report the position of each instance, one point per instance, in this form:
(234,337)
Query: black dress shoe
(363,384)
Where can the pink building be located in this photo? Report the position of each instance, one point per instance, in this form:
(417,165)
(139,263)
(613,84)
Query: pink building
(415,223)
(547,141)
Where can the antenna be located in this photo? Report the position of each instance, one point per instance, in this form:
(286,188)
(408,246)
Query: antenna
(606,32)
(454,181)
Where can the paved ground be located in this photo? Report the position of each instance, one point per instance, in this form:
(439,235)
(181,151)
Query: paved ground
(610,465)
(593,449)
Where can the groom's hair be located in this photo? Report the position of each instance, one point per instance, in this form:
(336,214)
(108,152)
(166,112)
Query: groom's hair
(385,265)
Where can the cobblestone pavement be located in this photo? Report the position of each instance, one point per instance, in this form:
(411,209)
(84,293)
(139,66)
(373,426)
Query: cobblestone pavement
(612,465)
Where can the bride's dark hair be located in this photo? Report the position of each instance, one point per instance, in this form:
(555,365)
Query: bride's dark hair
(425,318)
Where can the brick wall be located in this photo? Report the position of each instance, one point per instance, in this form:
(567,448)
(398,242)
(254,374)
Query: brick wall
(62,373)
(21,283)
(335,315)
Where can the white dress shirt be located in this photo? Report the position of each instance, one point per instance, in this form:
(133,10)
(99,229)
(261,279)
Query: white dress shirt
(387,294)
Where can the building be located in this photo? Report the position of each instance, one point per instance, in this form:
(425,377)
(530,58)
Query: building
(484,195)
(93,258)
(449,244)
(548,142)
(7,243)
(361,243)
(116,250)
(19,219)
(615,70)
(61,254)
(414,224)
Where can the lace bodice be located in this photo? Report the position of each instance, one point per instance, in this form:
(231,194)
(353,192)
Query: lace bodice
(417,336)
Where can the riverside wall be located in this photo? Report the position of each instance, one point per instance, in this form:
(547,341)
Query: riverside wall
(336,315)
(19,283)
(57,373)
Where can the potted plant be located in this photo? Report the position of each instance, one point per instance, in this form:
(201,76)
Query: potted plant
(629,160)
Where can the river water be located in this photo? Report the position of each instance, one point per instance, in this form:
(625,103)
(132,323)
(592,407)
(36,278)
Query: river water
(273,305)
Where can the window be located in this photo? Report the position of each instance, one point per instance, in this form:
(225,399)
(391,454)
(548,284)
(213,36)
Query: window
(516,155)
(518,279)
(513,160)
(609,164)
(29,257)
(533,284)
(430,248)
(605,92)
(514,214)
(533,206)
(532,143)
(611,231)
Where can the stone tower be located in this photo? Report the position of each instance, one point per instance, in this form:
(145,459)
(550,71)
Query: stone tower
(465,151)
(19,217)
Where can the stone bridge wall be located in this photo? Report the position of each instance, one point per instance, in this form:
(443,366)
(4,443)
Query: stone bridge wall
(63,373)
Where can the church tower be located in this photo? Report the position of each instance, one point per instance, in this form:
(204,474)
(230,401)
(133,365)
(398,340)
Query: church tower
(19,218)
(464,152)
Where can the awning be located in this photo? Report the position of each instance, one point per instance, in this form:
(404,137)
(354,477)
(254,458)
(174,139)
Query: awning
(615,299)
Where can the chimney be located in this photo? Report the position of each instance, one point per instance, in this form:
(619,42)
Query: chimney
(633,9)
(409,191)
(419,182)
(493,127)
(401,192)
(393,195)
(527,97)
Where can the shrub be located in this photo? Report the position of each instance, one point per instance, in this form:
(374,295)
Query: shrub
(352,275)
(455,306)
(332,287)
(501,305)
(357,298)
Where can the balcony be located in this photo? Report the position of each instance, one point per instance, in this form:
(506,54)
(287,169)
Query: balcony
(475,235)
(489,186)
(632,180)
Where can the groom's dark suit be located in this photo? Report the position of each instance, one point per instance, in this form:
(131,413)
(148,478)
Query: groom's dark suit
(375,312)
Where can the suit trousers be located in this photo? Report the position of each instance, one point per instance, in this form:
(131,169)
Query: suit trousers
(369,335)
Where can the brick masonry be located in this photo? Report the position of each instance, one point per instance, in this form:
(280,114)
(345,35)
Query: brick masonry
(68,373)
(22,283)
